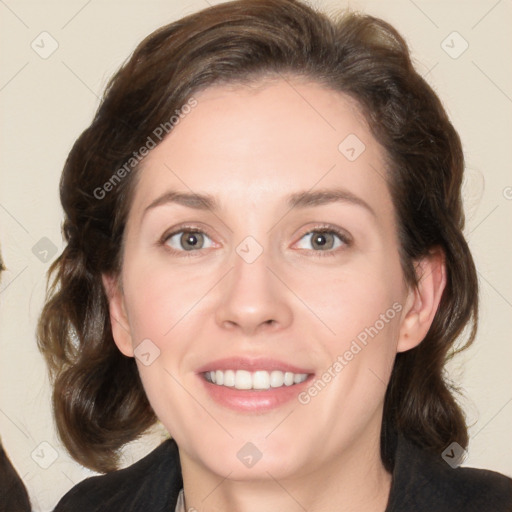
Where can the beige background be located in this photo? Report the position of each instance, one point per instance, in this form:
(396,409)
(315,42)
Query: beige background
(46,103)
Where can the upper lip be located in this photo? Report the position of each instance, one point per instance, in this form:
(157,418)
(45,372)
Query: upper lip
(251,364)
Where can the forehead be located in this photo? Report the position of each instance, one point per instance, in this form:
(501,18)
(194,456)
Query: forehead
(256,143)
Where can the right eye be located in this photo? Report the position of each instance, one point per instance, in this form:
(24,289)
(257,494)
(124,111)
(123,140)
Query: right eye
(188,240)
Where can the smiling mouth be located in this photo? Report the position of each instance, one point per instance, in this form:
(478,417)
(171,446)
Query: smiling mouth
(258,380)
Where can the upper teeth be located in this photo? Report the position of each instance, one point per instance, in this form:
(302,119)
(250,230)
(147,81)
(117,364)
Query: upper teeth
(261,379)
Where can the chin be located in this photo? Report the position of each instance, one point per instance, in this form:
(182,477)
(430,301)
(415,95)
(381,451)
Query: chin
(259,459)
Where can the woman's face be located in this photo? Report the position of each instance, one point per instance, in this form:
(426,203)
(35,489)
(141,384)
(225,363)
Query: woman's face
(261,253)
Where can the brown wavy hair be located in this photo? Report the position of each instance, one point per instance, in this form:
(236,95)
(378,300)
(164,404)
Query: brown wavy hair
(98,398)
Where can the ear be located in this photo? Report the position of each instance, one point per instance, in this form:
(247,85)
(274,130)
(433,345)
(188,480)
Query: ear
(118,317)
(423,300)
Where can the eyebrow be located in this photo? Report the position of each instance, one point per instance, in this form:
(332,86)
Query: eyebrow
(191,200)
(297,200)
(320,197)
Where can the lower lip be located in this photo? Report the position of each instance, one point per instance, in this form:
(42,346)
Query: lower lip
(253,400)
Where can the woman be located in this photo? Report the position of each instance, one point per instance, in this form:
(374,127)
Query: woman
(265,252)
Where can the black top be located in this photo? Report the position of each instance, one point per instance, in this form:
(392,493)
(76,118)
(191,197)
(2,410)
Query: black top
(13,495)
(421,483)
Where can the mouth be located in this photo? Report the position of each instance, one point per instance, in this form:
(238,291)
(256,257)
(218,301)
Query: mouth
(253,385)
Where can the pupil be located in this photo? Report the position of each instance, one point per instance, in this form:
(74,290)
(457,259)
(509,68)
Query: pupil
(190,240)
(320,240)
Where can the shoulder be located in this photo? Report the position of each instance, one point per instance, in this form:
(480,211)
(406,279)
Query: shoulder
(423,481)
(151,484)
(478,489)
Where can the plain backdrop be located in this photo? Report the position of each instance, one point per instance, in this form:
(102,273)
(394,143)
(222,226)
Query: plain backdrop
(55,60)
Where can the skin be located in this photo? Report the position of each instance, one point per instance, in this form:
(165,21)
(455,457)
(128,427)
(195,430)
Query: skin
(250,147)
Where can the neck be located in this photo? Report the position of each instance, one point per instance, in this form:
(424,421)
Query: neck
(353,480)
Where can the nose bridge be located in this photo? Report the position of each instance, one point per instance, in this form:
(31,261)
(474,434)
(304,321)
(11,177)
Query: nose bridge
(251,296)
(250,273)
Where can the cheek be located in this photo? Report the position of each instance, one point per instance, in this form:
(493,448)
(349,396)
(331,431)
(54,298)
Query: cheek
(351,300)
(161,298)
(349,391)
(163,307)
(360,308)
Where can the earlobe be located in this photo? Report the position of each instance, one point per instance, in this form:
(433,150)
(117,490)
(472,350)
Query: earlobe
(118,316)
(423,300)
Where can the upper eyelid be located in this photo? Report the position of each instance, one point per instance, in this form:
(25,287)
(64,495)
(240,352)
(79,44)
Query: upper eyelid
(325,228)
(195,229)
(174,233)
(186,228)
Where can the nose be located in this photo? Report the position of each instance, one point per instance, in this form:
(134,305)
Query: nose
(252,299)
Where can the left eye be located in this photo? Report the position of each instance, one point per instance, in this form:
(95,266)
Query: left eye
(321,241)
(189,241)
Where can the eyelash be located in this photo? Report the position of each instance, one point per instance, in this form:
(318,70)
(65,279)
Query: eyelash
(342,236)
(182,229)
